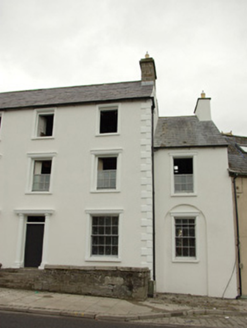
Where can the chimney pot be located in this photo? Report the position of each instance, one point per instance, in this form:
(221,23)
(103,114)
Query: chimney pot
(203,94)
(147,55)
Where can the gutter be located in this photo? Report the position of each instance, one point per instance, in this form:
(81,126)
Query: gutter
(238,239)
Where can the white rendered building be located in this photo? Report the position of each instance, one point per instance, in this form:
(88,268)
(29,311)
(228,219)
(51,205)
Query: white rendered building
(78,167)
(194,209)
(76,175)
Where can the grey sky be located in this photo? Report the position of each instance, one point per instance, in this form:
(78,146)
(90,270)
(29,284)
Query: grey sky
(197,45)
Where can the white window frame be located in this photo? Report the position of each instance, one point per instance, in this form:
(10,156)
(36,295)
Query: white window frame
(192,155)
(103,212)
(107,107)
(98,153)
(32,157)
(38,113)
(187,215)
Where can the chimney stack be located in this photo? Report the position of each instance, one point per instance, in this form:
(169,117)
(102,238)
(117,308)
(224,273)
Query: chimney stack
(148,70)
(203,109)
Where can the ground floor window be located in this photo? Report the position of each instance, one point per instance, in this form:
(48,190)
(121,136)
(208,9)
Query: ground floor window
(105,235)
(185,237)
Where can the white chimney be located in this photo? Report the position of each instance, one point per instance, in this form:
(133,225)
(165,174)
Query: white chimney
(203,108)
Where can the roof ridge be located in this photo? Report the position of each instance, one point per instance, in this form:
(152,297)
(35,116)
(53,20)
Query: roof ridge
(233,135)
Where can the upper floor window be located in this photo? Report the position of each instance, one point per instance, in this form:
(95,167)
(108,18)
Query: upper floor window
(44,126)
(106,170)
(41,175)
(108,120)
(107,173)
(40,172)
(183,175)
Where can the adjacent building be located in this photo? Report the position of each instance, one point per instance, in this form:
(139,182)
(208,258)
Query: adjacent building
(237,155)
(193,206)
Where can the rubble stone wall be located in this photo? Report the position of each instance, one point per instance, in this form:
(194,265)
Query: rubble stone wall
(116,282)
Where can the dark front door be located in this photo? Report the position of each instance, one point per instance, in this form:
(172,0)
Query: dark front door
(34,241)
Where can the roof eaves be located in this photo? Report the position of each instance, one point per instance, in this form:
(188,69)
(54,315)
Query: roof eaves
(237,173)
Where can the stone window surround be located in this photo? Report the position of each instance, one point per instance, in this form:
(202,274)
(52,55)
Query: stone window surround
(32,157)
(37,113)
(103,212)
(23,214)
(97,153)
(185,215)
(183,154)
(100,108)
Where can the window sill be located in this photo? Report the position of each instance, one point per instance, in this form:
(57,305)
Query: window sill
(102,259)
(107,134)
(185,260)
(186,194)
(38,193)
(103,191)
(42,138)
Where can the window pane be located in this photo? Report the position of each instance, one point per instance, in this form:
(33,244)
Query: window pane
(95,220)
(95,230)
(108,220)
(101,221)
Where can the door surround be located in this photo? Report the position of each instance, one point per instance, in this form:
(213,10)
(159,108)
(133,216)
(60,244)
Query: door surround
(21,235)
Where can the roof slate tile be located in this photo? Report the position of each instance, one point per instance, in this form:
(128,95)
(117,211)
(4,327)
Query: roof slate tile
(237,158)
(186,131)
(77,94)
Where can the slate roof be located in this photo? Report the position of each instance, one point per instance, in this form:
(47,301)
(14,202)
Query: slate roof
(187,131)
(237,157)
(75,95)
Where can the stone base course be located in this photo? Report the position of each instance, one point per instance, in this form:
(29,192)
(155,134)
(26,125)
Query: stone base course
(116,282)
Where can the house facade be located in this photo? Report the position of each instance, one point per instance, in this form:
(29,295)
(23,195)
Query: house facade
(92,179)
(76,175)
(194,209)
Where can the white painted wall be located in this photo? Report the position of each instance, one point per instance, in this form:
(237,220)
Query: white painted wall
(212,204)
(71,198)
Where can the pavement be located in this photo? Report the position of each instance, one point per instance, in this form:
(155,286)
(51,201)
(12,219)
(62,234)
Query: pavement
(172,309)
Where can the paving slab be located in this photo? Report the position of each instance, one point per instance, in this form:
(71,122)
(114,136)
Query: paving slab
(173,309)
